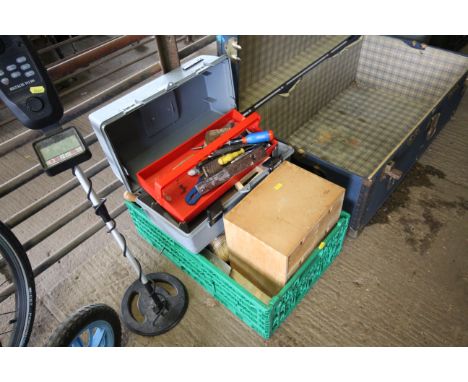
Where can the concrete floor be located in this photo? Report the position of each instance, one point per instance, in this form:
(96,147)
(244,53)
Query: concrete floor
(402,282)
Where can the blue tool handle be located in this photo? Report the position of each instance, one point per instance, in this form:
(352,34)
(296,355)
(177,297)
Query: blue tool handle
(192,197)
(264,136)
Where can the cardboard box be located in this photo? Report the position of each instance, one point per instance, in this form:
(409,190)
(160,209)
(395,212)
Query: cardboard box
(273,230)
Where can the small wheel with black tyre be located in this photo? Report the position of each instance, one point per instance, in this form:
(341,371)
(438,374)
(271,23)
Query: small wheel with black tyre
(95,325)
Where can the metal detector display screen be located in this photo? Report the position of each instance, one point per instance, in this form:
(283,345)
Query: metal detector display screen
(60,148)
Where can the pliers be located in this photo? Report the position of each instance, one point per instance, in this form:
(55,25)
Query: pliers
(193,196)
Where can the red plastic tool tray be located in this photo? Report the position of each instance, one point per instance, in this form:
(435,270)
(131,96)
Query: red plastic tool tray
(167,181)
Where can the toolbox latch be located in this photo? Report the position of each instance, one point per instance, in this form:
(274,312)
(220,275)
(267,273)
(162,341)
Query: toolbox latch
(214,212)
(170,86)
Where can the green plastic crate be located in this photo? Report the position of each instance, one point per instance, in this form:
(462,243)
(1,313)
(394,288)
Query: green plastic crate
(264,319)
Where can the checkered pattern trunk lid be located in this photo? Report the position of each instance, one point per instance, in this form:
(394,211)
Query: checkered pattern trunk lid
(355,107)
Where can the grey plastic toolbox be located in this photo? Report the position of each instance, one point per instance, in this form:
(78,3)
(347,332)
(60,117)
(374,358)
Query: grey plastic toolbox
(359,110)
(150,121)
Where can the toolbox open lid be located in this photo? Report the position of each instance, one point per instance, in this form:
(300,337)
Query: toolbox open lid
(150,121)
(271,65)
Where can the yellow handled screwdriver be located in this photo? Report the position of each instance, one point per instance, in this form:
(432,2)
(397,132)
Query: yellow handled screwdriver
(225,159)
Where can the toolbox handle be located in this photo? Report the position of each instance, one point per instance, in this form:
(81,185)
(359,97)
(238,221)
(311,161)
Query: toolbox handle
(192,63)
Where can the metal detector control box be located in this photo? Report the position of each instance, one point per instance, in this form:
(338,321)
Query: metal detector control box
(151,121)
(61,151)
(25,87)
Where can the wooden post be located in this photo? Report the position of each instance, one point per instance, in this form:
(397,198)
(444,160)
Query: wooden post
(168,53)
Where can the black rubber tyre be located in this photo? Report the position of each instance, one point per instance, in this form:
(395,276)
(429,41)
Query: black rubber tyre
(68,330)
(12,252)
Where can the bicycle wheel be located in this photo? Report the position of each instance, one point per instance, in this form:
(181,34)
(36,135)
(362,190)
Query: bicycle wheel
(17,307)
(95,325)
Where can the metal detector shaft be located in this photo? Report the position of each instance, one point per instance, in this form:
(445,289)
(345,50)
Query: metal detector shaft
(96,202)
(101,210)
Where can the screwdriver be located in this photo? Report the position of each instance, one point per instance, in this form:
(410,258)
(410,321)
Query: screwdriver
(228,149)
(253,138)
(225,159)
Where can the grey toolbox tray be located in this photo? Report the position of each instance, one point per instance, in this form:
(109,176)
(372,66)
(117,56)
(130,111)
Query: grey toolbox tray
(147,123)
(358,110)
